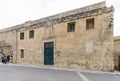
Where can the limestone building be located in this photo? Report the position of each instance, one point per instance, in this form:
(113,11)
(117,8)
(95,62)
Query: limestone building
(80,38)
(117,52)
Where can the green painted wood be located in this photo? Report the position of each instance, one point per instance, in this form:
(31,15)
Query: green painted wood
(49,53)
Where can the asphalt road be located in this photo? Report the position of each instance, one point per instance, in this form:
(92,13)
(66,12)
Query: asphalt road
(101,76)
(21,73)
(26,73)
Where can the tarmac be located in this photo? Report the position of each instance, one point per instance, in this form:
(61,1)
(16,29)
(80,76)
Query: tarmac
(66,69)
(52,73)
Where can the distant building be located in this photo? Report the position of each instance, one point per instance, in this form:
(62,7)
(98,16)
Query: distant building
(117,52)
(80,38)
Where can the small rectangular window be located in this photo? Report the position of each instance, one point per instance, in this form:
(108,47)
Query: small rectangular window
(90,24)
(22,36)
(31,34)
(71,27)
(22,53)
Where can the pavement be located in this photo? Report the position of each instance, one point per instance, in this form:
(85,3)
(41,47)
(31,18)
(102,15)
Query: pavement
(13,72)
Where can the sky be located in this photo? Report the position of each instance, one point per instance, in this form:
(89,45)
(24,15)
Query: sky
(14,12)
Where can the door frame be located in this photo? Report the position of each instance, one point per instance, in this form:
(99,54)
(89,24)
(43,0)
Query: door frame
(49,47)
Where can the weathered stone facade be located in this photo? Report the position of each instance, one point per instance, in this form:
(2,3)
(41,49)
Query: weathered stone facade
(86,49)
(117,52)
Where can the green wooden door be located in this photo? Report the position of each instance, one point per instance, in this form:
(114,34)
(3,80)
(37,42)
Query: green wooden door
(48,53)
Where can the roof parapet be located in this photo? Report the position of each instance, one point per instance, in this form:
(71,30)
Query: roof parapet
(28,23)
(71,12)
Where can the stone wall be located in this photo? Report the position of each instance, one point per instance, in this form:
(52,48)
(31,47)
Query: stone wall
(82,49)
(117,52)
(8,44)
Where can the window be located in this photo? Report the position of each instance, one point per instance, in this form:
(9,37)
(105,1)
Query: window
(31,34)
(22,36)
(90,24)
(71,27)
(22,53)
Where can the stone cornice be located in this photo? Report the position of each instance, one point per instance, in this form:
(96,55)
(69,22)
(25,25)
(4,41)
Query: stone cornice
(69,18)
(73,17)
(117,38)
